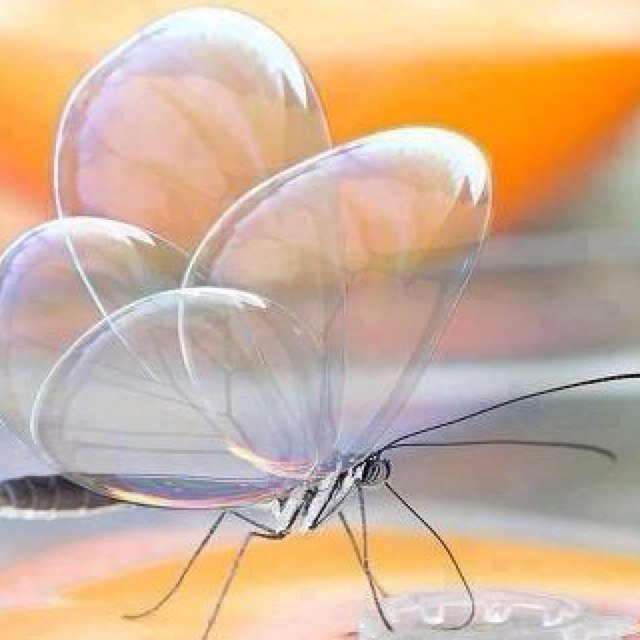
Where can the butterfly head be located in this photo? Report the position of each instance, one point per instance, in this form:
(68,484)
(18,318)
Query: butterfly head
(374,471)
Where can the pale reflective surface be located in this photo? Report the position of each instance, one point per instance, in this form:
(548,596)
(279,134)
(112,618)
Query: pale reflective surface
(369,246)
(148,435)
(45,304)
(175,124)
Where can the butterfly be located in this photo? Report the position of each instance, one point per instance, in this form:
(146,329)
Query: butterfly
(230,313)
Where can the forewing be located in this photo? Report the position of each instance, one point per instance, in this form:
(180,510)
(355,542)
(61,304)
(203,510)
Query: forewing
(171,127)
(45,304)
(161,440)
(369,246)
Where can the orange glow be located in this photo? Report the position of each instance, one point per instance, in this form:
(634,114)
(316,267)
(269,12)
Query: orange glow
(542,85)
(312,578)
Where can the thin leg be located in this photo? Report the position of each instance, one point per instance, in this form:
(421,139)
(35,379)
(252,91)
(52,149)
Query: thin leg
(327,516)
(445,546)
(365,562)
(232,574)
(267,534)
(356,550)
(254,523)
(182,576)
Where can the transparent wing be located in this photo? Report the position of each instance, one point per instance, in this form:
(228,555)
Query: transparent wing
(369,246)
(243,436)
(173,125)
(45,305)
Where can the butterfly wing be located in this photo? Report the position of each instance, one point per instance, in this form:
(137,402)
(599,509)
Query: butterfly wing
(369,246)
(45,305)
(165,132)
(149,435)
(168,130)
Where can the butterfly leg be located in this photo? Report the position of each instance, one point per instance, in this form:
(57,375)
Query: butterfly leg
(266,533)
(178,583)
(231,575)
(365,561)
(254,523)
(356,549)
(465,583)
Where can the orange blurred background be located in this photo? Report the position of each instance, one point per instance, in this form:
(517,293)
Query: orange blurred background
(312,578)
(543,86)
(548,88)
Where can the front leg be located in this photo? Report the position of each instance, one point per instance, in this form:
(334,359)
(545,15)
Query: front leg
(233,571)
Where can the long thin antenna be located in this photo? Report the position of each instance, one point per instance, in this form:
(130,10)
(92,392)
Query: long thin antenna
(575,446)
(365,562)
(445,546)
(178,583)
(505,403)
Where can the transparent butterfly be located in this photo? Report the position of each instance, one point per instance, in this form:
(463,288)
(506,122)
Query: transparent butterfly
(206,324)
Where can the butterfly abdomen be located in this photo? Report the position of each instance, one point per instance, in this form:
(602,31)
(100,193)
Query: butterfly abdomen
(48,497)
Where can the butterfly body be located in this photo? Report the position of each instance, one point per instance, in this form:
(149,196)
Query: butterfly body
(307,508)
(48,498)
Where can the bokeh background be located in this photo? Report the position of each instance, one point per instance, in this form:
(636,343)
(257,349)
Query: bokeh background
(551,90)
